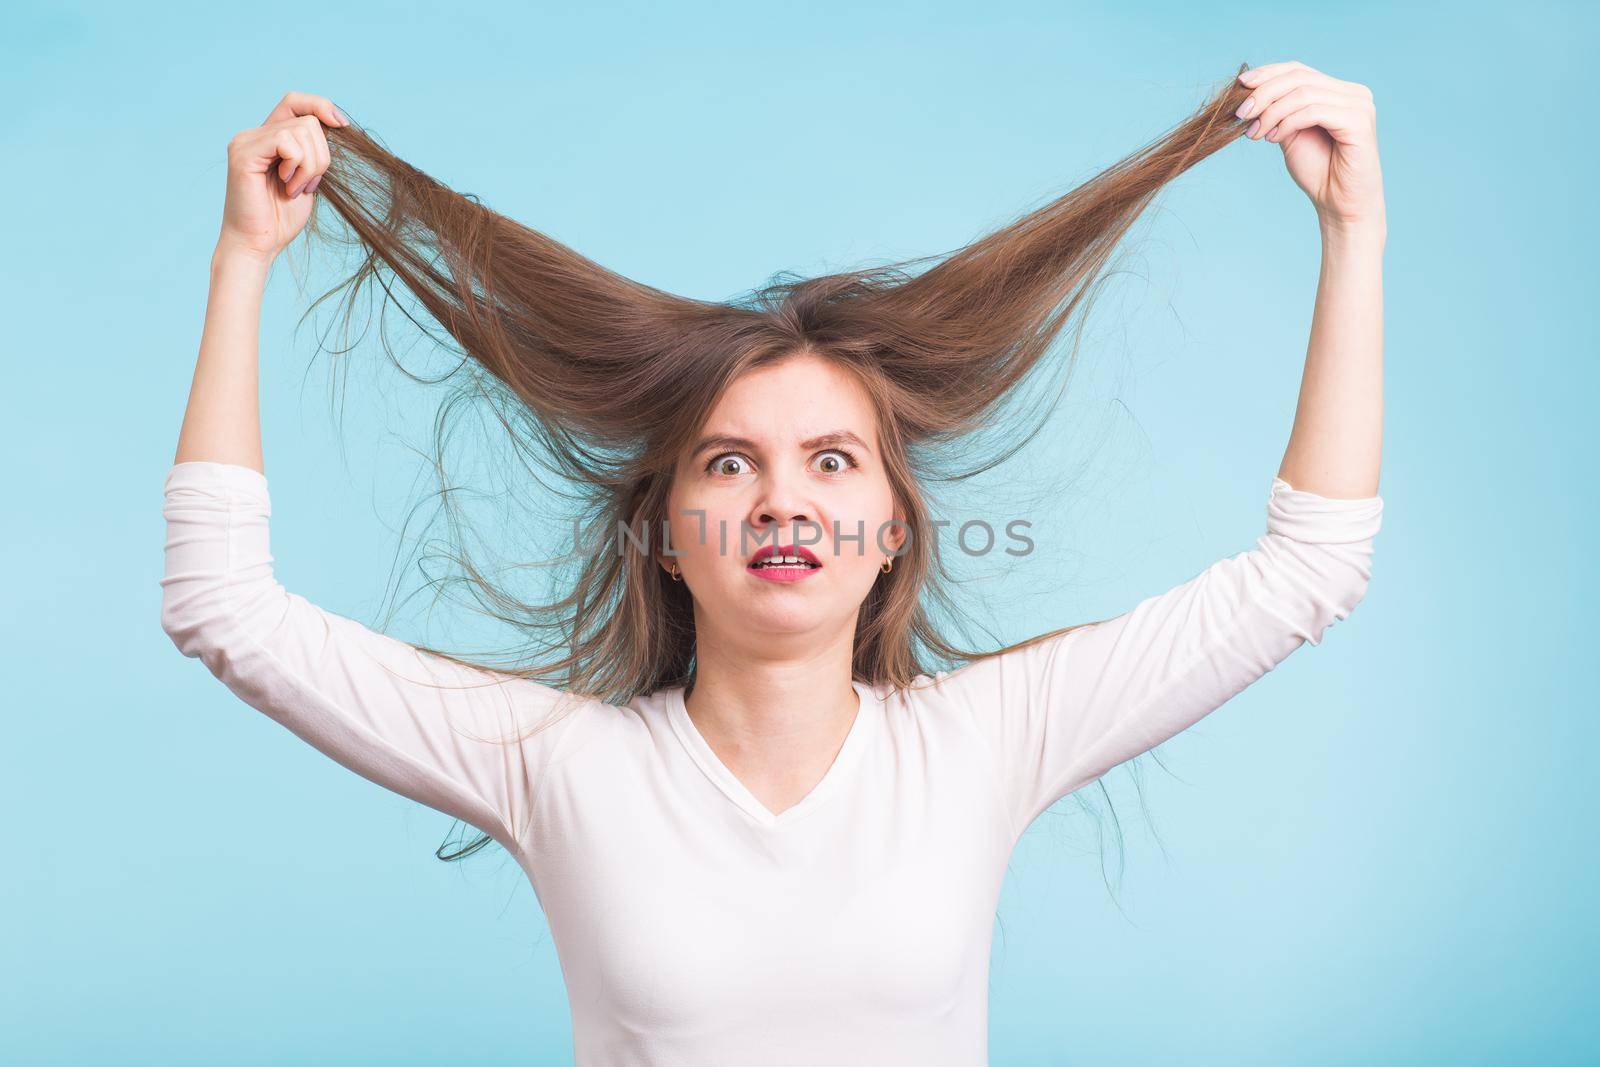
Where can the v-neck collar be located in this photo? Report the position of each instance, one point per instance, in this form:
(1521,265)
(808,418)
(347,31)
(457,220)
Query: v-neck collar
(700,750)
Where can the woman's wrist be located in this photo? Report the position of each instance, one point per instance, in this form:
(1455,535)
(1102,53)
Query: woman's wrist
(235,260)
(1354,234)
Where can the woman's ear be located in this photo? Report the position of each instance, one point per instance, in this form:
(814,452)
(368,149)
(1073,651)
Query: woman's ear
(897,533)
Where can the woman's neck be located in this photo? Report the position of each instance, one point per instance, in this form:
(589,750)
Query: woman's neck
(776,723)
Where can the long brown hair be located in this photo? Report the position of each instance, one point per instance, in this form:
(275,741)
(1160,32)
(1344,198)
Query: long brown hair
(603,381)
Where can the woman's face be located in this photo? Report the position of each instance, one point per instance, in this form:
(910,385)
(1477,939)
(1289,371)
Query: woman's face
(789,456)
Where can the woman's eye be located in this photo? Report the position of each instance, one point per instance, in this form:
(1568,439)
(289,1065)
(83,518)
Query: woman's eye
(836,461)
(727,463)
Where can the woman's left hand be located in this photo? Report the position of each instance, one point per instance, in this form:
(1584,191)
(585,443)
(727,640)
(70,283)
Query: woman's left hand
(1328,130)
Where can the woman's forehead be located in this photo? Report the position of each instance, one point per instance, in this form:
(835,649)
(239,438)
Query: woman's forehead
(796,399)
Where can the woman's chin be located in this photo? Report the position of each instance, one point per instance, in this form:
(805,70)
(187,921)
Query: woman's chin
(783,614)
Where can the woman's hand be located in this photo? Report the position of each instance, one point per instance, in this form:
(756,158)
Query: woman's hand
(1328,130)
(272,171)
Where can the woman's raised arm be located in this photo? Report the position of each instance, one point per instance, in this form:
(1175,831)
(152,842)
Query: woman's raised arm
(270,169)
(1061,712)
(1327,129)
(459,739)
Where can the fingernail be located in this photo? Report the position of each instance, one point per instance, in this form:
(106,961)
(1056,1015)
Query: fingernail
(1254,126)
(340,115)
(1245,108)
(311,186)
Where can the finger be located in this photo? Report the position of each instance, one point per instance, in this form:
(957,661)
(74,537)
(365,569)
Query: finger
(284,149)
(291,152)
(303,167)
(307,168)
(318,140)
(295,155)
(1356,119)
(324,154)
(1294,100)
(322,168)
(1256,75)
(1347,125)
(1264,93)
(1275,88)
(293,105)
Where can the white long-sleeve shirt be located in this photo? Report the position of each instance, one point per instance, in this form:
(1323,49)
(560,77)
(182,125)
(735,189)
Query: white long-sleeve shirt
(693,925)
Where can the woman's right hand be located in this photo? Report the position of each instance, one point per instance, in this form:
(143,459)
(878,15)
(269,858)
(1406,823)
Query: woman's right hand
(273,171)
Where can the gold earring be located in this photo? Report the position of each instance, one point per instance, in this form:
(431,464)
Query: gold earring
(675,573)
(888,564)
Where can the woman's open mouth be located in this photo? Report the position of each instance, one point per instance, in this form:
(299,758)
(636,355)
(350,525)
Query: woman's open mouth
(788,563)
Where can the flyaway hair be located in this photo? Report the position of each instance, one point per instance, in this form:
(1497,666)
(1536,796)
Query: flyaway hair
(602,381)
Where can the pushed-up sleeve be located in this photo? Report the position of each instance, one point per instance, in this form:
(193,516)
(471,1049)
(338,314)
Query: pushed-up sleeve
(435,731)
(1061,712)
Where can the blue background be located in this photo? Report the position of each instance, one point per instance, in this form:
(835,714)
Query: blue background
(1382,852)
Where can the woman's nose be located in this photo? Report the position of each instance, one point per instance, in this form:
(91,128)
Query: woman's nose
(784,509)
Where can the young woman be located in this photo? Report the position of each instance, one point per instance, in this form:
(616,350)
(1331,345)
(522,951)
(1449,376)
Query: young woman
(760,830)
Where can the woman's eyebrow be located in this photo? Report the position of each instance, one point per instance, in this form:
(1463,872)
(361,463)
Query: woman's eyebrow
(833,437)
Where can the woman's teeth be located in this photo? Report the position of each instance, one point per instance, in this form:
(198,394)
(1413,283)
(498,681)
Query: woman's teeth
(784,561)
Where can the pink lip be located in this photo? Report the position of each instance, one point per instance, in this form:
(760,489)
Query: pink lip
(783,574)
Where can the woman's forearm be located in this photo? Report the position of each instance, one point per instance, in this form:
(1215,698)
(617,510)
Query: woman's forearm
(223,420)
(1337,442)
